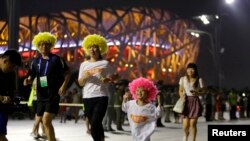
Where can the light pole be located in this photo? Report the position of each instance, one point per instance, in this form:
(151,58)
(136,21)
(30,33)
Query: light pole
(196,31)
(213,50)
(215,37)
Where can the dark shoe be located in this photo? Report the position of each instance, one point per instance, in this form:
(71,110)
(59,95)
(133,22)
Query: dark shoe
(120,129)
(110,129)
(105,130)
(222,118)
(160,125)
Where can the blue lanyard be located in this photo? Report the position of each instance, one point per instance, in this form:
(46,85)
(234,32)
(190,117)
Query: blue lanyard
(46,66)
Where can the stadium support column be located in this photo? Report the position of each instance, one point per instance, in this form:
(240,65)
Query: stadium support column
(13,23)
(13,29)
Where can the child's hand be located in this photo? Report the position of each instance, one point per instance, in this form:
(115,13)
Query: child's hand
(126,97)
(158,99)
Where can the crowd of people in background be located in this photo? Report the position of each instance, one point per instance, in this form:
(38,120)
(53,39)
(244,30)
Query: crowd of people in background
(215,103)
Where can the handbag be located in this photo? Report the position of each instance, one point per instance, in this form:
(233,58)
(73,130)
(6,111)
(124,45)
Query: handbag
(179,105)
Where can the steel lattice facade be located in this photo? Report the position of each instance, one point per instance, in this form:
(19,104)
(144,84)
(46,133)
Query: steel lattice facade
(146,42)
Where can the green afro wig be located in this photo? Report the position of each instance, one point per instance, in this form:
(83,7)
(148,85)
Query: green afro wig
(44,37)
(97,40)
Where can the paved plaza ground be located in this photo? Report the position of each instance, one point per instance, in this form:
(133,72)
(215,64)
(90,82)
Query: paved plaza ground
(19,130)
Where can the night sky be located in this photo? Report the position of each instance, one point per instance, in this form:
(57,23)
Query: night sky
(235,39)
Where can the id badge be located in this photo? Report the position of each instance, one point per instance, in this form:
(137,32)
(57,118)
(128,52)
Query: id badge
(43,81)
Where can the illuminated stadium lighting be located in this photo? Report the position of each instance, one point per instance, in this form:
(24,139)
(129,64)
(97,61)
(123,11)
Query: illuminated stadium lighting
(164,69)
(136,48)
(170,70)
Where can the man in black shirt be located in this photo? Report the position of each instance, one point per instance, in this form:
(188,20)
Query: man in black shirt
(52,75)
(8,62)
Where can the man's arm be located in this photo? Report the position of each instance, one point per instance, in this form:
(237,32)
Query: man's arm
(62,89)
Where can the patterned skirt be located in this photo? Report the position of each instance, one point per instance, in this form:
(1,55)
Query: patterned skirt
(193,107)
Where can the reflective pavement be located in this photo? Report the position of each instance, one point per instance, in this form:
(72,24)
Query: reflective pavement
(19,130)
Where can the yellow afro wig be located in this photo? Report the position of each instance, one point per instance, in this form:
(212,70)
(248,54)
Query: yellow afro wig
(97,40)
(44,37)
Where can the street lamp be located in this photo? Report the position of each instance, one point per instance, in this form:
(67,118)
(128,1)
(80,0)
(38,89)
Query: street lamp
(206,19)
(229,1)
(213,50)
(196,33)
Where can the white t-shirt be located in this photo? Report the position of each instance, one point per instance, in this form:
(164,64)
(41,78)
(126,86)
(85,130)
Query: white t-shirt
(188,86)
(142,119)
(94,87)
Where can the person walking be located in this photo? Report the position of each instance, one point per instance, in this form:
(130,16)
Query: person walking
(8,62)
(52,75)
(94,74)
(174,99)
(121,89)
(232,100)
(76,99)
(167,96)
(191,86)
(109,116)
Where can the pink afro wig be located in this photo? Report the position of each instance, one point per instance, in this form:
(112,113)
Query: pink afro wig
(145,84)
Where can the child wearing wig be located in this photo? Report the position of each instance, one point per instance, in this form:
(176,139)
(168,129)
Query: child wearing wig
(142,113)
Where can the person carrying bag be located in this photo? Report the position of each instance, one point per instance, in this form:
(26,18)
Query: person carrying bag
(180,104)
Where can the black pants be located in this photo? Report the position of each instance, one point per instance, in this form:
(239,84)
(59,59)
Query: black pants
(209,112)
(233,112)
(119,117)
(95,109)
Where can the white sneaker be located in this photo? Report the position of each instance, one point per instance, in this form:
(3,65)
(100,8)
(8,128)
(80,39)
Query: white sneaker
(35,136)
(185,138)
